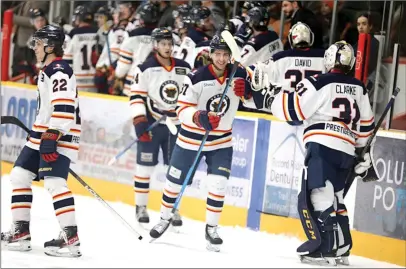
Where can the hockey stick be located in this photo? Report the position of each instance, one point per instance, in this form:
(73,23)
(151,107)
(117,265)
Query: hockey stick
(121,153)
(351,175)
(237,58)
(16,121)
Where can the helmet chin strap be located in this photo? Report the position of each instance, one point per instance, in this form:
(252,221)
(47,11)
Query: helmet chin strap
(46,55)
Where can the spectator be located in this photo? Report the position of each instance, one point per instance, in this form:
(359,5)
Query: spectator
(274,9)
(365,26)
(217,13)
(297,13)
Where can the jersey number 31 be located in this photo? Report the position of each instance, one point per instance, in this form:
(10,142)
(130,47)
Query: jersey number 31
(346,115)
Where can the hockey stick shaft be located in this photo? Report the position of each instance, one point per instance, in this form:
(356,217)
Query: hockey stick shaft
(16,121)
(199,151)
(121,153)
(351,175)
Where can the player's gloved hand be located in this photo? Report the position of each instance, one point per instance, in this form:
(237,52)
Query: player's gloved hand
(141,125)
(263,99)
(206,120)
(49,144)
(260,77)
(238,85)
(365,170)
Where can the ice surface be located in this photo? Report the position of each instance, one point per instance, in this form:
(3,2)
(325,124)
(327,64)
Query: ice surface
(105,242)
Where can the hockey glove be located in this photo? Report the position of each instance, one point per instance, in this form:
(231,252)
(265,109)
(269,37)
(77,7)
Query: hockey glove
(238,85)
(141,125)
(260,77)
(263,99)
(365,169)
(206,120)
(49,144)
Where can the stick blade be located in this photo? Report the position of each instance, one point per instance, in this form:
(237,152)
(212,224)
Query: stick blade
(171,126)
(112,161)
(235,51)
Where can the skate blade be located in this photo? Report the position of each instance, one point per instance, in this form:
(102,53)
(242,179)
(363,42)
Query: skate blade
(318,261)
(23,245)
(213,248)
(343,261)
(68,252)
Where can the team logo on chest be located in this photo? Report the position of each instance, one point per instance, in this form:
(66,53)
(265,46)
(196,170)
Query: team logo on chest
(169,92)
(213,103)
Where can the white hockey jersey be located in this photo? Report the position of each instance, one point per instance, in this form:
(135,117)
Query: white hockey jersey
(57,108)
(334,107)
(287,68)
(202,90)
(156,88)
(187,49)
(134,50)
(260,48)
(112,47)
(78,53)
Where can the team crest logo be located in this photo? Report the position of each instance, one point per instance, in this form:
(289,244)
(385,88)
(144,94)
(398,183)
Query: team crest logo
(169,92)
(213,104)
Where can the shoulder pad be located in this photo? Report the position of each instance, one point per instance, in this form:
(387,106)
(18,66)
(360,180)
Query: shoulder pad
(140,31)
(58,66)
(149,63)
(200,74)
(321,80)
(83,30)
(181,63)
(262,39)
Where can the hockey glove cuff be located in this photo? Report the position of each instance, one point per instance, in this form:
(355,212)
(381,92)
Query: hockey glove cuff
(206,120)
(141,125)
(238,86)
(49,144)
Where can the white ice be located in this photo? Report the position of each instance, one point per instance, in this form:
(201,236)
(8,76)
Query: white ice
(105,242)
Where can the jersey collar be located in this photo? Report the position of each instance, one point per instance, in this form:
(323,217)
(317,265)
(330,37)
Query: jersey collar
(167,68)
(219,79)
(56,59)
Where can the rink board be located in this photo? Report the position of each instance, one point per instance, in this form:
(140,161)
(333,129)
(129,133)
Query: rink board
(265,178)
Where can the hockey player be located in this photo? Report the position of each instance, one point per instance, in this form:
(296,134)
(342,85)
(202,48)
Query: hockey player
(81,51)
(199,98)
(154,93)
(338,122)
(135,49)
(53,144)
(263,43)
(199,23)
(287,68)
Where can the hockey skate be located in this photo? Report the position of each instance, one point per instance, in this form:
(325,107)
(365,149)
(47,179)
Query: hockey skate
(343,259)
(176,219)
(318,258)
(213,239)
(18,238)
(67,245)
(141,214)
(159,229)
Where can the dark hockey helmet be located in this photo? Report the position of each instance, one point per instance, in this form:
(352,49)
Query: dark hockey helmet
(36,12)
(182,11)
(251,4)
(161,33)
(218,43)
(149,13)
(105,11)
(200,13)
(258,18)
(83,14)
(51,36)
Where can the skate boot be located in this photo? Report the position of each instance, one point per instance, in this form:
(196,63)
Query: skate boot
(213,239)
(159,229)
(67,244)
(177,219)
(343,259)
(318,258)
(18,238)
(141,214)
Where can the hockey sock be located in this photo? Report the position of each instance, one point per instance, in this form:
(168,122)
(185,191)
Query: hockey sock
(64,204)
(21,198)
(344,232)
(215,198)
(141,184)
(170,193)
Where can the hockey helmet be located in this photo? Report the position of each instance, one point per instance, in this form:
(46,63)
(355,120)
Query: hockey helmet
(258,17)
(300,36)
(36,12)
(218,43)
(51,36)
(200,13)
(339,55)
(251,4)
(182,11)
(149,13)
(105,11)
(83,14)
(161,33)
